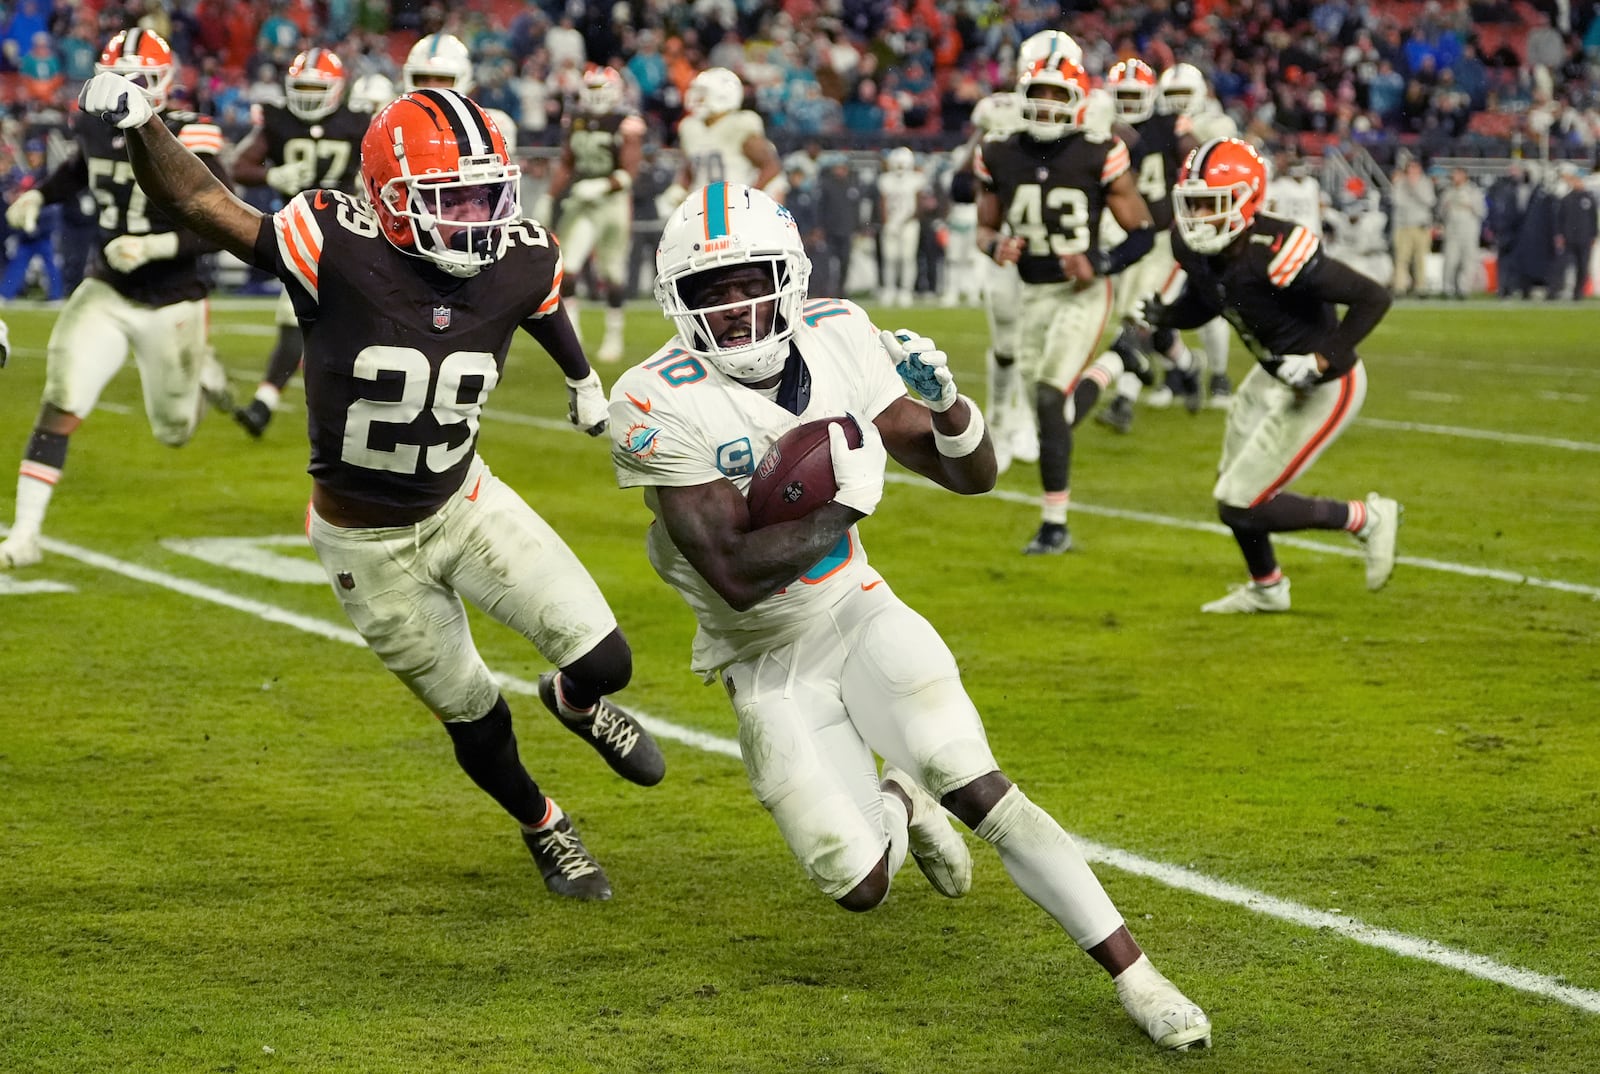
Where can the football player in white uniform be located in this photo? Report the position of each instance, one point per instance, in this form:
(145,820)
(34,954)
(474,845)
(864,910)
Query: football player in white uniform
(601,148)
(824,664)
(410,297)
(311,142)
(1013,426)
(1294,194)
(144,290)
(721,141)
(900,186)
(441,61)
(369,93)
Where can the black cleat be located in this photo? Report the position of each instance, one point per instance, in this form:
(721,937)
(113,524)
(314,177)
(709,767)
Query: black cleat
(1132,345)
(1052,539)
(565,863)
(1117,415)
(254,418)
(615,735)
(1185,384)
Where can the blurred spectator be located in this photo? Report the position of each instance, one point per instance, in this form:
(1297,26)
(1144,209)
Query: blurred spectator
(34,246)
(839,203)
(1576,233)
(28,19)
(1462,210)
(1508,199)
(278,39)
(1413,200)
(41,72)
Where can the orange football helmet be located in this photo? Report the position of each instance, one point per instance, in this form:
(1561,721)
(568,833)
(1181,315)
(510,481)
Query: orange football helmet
(144,58)
(315,83)
(1133,89)
(441,181)
(1220,189)
(602,90)
(1053,84)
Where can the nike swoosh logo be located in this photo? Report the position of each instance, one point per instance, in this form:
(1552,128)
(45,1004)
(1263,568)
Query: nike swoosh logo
(472,497)
(871,585)
(320,201)
(644,406)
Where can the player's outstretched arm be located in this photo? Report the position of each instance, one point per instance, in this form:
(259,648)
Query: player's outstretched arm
(944,439)
(172,177)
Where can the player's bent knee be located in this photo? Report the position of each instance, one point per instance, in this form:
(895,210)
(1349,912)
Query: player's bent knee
(606,668)
(870,893)
(973,802)
(1236,517)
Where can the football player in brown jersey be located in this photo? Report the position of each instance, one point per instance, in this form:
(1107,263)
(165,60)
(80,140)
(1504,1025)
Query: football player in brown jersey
(409,299)
(1044,190)
(145,291)
(311,142)
(1272,281)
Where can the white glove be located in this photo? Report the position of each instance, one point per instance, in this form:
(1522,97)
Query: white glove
(115,100)
(1298,371)
(922,365)
(587,190)
(1146,311)
(127,252)
(586,404)
(857,472)
(293,177)
(23,212)
(669,199)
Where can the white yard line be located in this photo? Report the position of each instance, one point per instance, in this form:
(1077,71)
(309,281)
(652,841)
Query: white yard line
(1175,876)
(1481,434)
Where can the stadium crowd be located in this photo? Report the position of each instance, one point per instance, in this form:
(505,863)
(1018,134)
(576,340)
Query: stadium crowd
(1440,80)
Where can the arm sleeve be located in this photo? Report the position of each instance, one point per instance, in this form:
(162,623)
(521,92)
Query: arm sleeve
(70,176)
(1366,302)
(1190,309)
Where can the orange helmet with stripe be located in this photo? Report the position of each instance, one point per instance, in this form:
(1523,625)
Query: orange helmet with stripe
(314,84)
(144,58)
(1220,189)
(441,181)
(1133,89)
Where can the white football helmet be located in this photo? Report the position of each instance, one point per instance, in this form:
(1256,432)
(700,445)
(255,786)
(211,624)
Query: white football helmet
(1099,114)
(722,226)
(1043,45)
(1051,59)
(714,92)
(1182,90)
(901,159)
(999,115)
(602,90)
(371,92)
(438,56)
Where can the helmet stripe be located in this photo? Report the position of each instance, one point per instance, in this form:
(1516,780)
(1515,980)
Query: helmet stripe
(472,135)
(130,43)
(716,210)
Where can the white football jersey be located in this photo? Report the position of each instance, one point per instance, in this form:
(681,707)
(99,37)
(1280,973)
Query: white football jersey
(899,191)
(677,421)
(715,151)
(1299,200)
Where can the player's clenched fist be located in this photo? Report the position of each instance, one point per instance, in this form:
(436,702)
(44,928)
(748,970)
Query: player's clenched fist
(116,100)
(922,365)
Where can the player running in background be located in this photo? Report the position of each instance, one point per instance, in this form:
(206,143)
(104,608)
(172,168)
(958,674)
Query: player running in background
(900,186)
(311,142)
(1272,281)
(145,291)
(824,664)
(1044,190)
(1009,408)
(721,141)
(1157,149)
(601,149)
(410,297)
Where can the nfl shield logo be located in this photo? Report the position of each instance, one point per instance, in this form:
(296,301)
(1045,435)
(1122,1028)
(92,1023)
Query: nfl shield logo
(441,317)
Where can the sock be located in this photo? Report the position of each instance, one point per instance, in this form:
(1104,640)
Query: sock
(1290,511)
(1048,868)
(1358,517)
(486,750)
(1270,579)
(1002,381)
(1214,341)
(42,463)
(1055,439)
(552,815)
(565,693)
(1128,387)
(614,317)
(1053,507)
(896,822)
(268,395)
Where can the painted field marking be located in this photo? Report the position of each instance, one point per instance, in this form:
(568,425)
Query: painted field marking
(1174,876)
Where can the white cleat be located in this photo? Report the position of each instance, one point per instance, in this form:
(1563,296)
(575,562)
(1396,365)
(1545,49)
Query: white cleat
(610,349)
(938,848)
(1157,1007)
(1377,538)
(1250,597)
(18,550)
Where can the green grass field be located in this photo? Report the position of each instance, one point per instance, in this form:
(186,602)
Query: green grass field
(1365,836)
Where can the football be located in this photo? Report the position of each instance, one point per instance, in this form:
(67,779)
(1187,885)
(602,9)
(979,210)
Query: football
(795,476)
